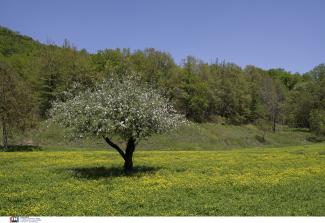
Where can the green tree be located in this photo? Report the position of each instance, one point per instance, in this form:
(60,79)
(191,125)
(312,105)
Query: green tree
(114,62)
(307,99)
(289,80)
(299,105)
(317,121)
(191,91)
(16,103)
(155,67)
(231,90)
(257,108)
(318,72)
(59,70)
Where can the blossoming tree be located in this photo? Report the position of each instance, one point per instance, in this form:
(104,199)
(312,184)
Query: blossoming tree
(118,107)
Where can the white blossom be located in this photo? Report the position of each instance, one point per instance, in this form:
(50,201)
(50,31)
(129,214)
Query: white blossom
(117,107)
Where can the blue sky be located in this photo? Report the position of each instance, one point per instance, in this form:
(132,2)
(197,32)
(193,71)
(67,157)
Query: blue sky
(279,33)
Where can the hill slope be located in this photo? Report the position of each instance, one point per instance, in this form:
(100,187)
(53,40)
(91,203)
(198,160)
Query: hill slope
(14,43)
(193,137)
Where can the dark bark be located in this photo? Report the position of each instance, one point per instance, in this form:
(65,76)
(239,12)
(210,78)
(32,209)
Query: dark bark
(273,121)
(127,155)
(4,134)
(130,147)
(118,149)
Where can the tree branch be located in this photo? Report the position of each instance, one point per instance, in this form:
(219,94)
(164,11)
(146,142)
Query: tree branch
(118,149)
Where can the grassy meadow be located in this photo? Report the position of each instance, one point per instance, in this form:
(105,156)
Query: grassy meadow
(205,136)
(258,181)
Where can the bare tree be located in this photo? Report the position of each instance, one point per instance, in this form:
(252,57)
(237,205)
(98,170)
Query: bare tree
(273,97)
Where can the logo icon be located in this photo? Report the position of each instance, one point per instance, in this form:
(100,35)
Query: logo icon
(14,219)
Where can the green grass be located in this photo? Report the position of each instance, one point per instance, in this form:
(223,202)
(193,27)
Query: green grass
(264,181)
(193,137)
(209,136)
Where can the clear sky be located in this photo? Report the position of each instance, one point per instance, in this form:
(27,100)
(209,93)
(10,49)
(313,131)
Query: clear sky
(267,33)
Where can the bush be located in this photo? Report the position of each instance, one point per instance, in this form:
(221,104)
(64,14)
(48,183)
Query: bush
(316,139)
(20,148)
(217,119)
(264,126)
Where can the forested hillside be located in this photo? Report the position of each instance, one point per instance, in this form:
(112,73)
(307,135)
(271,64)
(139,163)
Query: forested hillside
(33,75)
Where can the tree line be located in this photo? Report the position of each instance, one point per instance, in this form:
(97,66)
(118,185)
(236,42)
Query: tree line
(34,75)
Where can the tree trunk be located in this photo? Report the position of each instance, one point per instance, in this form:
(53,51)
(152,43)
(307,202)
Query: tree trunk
(130,147)
(274,123)
(127,155)
(4,134)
